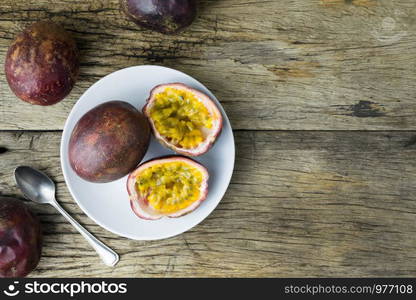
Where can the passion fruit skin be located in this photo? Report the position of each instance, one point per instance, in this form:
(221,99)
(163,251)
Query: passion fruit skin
(108,142)
(186,152)
(164,16)
(42,64)
(139,204)
(20,239)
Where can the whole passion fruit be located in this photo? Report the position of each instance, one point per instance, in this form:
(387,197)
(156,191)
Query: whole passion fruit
(20,239)
(183,119)
(164,16)
(42,64)
(108,142)
(167,187)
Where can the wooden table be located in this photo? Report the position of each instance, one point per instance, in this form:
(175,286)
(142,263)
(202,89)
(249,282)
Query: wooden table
(322,97)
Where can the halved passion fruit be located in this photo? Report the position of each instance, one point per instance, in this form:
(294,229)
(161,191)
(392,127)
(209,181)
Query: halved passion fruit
(183,119)
(167,187)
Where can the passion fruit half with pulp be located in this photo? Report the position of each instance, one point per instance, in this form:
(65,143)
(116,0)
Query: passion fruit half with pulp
(183,119)
(167,187)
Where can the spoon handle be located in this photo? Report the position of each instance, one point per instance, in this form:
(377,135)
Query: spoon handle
(107,255)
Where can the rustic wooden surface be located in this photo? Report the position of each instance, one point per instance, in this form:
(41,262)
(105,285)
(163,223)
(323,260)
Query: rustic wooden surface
(322,96)
(300,204)
(291,64)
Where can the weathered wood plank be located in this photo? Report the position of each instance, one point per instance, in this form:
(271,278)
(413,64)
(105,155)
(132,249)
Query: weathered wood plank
(293,64)
(300,204)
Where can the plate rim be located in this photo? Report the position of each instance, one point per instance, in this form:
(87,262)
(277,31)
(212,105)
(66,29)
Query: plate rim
(85,211)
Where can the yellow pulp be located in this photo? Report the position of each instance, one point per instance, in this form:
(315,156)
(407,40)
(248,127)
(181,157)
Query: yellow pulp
(180,117)
(170,186)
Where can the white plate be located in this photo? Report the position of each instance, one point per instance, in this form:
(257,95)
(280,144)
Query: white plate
(107,203)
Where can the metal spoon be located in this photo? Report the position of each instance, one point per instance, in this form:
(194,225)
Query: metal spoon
(39,188)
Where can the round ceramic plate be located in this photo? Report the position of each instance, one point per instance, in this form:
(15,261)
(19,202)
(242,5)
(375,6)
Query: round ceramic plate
(108,203)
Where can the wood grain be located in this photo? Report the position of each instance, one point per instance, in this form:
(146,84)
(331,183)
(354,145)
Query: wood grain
(300,204)
(291,64)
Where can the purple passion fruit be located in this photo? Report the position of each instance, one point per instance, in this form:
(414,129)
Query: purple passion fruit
(164,16)
(42,64)
(108,142)
(20,239)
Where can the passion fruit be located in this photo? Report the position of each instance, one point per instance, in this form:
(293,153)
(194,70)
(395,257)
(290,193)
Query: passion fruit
(42,64)
(183,119)
(167,187)
(20,239)
(164,16)
(108,142)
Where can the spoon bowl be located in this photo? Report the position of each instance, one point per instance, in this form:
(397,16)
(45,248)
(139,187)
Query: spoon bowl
(35,185)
